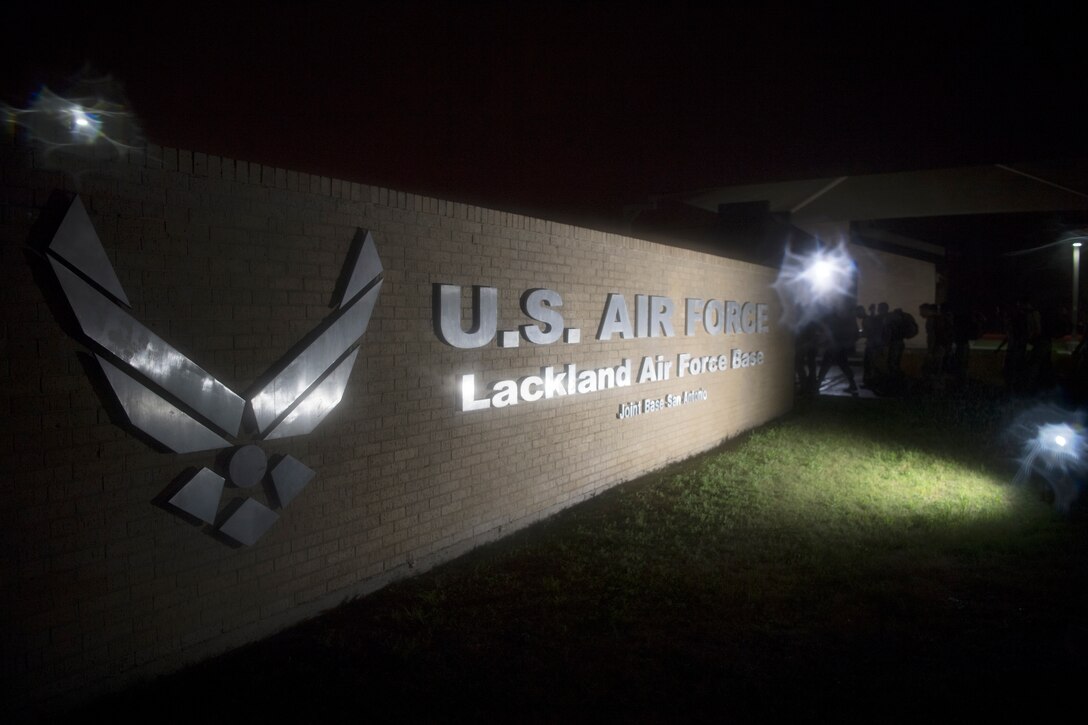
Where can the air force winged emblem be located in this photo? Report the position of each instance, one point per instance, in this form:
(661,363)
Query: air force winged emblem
(184,408)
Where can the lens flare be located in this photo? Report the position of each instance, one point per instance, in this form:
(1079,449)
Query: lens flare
(86,127)
(90,121)
(821,275)
(1053,446)
(809,285)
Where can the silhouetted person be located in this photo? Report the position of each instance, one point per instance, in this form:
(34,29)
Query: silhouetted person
(875,349)
(899,326)
(966,326)
(936,339)
(1054,324)
(1021,325)
(840,335)
(804,361)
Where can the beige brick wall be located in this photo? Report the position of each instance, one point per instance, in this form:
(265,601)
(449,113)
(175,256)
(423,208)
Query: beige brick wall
(232,263)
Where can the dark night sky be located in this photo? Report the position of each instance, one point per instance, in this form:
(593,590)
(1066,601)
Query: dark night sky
(571,110)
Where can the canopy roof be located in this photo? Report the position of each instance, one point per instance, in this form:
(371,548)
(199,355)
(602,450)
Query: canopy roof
(992,189)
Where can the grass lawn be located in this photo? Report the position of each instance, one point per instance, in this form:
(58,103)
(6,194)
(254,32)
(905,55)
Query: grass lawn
(867,559)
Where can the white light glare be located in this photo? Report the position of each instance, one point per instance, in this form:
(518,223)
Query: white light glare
(1056,451)
(1058,441)
(821,275)
(85,125)
(811,284)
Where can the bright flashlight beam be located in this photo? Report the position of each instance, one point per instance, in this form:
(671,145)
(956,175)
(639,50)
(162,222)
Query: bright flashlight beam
(1059,441)
(810,284)
(822,276)
(1055,451)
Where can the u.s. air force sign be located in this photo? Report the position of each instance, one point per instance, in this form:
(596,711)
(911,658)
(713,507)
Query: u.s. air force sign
(652,317)
(174,404)
(181,407)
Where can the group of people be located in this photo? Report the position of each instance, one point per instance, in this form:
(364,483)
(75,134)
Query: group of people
(831,338)
(949,332)
(886,333)
(1029,341)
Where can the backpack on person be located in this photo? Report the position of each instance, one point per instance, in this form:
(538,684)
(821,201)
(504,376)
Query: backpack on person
(900,326)
(909,326)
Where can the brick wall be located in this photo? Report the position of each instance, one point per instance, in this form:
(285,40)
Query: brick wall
(233,263)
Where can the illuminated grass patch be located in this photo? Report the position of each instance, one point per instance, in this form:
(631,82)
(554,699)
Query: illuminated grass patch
(855,554)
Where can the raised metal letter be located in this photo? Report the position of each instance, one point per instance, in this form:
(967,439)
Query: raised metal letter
(485,316)
(540,304)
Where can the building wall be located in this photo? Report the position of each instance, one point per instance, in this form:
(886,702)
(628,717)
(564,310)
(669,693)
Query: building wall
(233,263)
(900,281)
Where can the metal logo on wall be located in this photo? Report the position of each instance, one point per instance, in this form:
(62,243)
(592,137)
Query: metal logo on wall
(184,408)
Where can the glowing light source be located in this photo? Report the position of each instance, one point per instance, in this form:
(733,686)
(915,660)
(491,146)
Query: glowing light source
(822,275)
(810,284)
(90,121)
(1058,441)
(85,126)
(1054,447)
